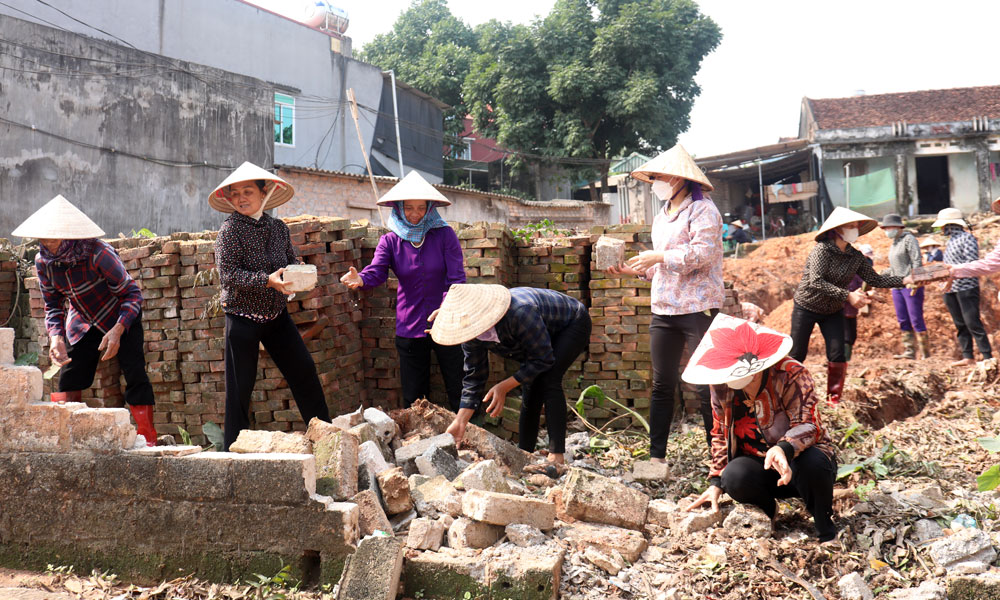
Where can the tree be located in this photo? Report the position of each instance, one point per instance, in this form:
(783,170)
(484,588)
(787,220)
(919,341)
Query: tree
(430,49)
(592,80)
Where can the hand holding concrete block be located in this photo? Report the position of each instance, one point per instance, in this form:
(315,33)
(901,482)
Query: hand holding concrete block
(609,252)
(301,278)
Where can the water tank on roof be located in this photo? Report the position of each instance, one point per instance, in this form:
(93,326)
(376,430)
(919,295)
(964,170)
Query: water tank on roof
(336,18)
(314,13)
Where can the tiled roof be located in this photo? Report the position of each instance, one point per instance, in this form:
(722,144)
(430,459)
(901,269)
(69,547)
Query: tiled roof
(927,106)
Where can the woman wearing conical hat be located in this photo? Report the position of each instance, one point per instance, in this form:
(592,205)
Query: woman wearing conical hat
(767,439)
(251,252)
(819,299)
(685,267)
(424,253)
(104,318)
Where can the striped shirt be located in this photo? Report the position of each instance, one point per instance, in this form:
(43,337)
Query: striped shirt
(525,335)
(98,290)
(962,247)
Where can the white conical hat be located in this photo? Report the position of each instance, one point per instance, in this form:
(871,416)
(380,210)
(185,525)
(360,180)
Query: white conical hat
(58,220)
(468,310)
(277,190)
(929,242)
(675,161)
(843,216)
(413,187)
(732,349)
(948,216)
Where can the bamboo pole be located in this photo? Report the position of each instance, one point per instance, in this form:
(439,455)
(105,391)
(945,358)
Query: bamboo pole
(364,153)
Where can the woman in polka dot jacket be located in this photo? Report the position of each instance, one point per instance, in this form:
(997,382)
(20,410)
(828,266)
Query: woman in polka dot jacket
(251,252)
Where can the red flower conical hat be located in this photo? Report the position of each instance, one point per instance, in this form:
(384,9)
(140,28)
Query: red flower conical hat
(732,349)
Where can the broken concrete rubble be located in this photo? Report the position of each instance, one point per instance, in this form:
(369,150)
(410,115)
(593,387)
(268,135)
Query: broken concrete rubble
(372,573)
(853,587)
(964,545)
(436,461)
(612,562)
(499,572)
(484,475)
(337,465)
(746,520)
(523,535)
(466,533)
(371,517)
(253,441)
(385,427)
(505,509)
(648,471)
(606,538)
(406,456)
(395,491)
(435,496)
(425,534)
(591,497)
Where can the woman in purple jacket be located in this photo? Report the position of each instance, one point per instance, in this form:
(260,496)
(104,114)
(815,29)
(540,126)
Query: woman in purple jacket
(424,253)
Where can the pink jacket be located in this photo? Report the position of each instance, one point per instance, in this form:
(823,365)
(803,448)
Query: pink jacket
(689,280)
(984,266)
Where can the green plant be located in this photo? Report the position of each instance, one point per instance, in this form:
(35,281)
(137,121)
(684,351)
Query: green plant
(543,228)
(28,358)
(185,436)
(862,490)
(990,478)
(214,434)
(267,588)
(888,459)
(600,398)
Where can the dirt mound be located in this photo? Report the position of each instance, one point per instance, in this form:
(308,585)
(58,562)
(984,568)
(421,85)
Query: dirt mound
(769,276)
(893,396)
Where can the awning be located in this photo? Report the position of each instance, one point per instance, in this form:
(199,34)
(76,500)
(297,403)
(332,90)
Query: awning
(791,192)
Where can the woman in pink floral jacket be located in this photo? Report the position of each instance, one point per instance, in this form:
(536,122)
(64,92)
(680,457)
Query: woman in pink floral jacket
(767,440)
(685,266)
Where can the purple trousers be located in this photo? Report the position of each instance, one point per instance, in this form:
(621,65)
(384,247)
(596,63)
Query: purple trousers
(909,309)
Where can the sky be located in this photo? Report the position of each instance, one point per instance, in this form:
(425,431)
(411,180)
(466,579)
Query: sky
(775,52)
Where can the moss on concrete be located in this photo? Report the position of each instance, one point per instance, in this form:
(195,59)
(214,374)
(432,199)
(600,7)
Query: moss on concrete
(435,582)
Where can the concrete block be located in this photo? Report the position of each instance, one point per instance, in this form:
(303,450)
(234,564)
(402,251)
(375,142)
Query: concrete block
(694,521)
(446,576)
(40,427)
(337,465)
(746,520)
(406,456)
(165,450)
(648,471)
(606,538)
(483,475)
(252,441)
(371,517)
(931,589)
(435,497)
(853,587)
(349,420)
(925,530)
(372,573)
(608,252)
(466,533)
(979,586)
(401,522)
(612,562)
(395,491)
(370,454)
(436,461)
(198,477)
(425,534)
(525,535)
(299,278)
(103,430)
(504,509)
(965,545)
(659,512)
(318,429)
(385,427)
(524,573)
(7,346)
(21,385)
(273,478)
(591,497)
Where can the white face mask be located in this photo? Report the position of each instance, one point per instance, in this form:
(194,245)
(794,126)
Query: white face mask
(891,233)
(849,235)
(662,189)
(740,383)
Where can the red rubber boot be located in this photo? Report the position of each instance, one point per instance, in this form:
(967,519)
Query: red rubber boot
(143,416)
(836,373)
(75,396)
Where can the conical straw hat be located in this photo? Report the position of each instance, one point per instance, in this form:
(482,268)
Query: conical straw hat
(58,220)
(675,161)
(952,216)
(251,172)
(843,216)
(468,310)
(930,241)
(732,349)
(413,187)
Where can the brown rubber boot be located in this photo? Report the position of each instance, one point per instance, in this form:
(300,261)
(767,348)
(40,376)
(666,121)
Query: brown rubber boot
(908,352)
(923,349)
(836,373)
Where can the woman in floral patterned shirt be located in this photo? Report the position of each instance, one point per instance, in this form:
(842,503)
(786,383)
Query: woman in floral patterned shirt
(767,439)
(685,266)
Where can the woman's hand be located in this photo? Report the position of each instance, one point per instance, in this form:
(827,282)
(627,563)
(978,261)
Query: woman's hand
(352,280)
(908,281)
(274,281)
(625,270)
(458,425)
(57,350)
(645,260)
(858,299)
(111,341)
(776,459)
(497,396)
(711,495)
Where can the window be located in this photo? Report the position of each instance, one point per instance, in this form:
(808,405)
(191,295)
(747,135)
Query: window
(284,120)
(462,150)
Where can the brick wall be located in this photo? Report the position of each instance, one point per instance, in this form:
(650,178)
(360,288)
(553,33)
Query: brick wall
(351,335)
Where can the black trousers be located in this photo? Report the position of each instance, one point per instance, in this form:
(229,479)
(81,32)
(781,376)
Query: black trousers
(282,341)
(813,474)
(964,309)
(668,335)
(831,326)
(84,356)
(415,369)
(546,390)
(850,330)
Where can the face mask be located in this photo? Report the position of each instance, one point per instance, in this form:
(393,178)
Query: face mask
(662,189)
(891,233)
(849,235)
(740,383)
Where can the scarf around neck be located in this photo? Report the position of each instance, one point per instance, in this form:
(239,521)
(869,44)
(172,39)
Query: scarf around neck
(410,232)
(70,252)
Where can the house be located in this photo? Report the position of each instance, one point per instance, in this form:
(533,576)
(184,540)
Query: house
(911,153)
